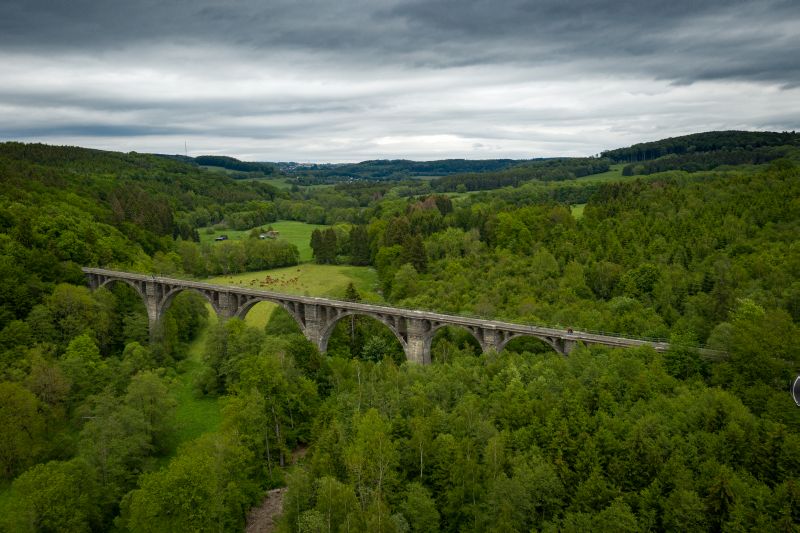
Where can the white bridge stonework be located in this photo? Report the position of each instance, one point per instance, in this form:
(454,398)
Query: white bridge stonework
(317,316)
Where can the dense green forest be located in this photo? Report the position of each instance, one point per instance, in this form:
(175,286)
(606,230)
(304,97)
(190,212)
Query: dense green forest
(524,440)
(712,141)
(697,161)
(541,170)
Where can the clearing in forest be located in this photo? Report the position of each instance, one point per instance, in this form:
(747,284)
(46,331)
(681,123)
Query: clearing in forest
(194,414)
(297,233)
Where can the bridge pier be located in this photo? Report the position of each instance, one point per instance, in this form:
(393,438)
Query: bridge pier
(565,346)
(227,306)
(418,341)
(314,327)
(489,339)
(151,301)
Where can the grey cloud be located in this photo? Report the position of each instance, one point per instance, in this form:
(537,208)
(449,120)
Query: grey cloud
(729,39)
(359,79)
(89,130)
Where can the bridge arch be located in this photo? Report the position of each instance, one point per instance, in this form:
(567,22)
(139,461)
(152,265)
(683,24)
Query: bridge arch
(167,299)
(135,293)
(293,311)
(560,346)
(522,336)
(327,330)
(441,326)
(130,283)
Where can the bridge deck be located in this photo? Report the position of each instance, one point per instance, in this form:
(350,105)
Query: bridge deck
(512,327)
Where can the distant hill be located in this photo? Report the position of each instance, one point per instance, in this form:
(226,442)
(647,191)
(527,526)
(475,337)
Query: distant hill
(232,163)
(711,141)
(691,152)
(394,169)
(554,169)
(226,162)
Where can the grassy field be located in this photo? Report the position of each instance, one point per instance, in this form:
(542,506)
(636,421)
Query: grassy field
(613,174)
(297,233)
(308,279)
(577,211)
(279,183)
(282,184)
(194,415)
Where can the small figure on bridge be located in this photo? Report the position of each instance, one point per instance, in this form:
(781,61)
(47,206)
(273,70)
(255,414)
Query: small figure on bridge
(569,330)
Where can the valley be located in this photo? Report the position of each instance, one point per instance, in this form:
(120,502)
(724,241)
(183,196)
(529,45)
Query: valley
(116,422)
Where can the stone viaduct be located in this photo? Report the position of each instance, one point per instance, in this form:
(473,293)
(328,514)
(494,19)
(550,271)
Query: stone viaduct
(318,316)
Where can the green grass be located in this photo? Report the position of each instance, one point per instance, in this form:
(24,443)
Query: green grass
(5,497)
(281,183)
(278,183)
(195,414)
(308,279)
(220,169)
(614,173)
(577,211)
(297,233)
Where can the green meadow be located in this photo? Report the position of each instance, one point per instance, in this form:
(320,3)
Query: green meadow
(297,233)
(614,173)
(195,414)
(307,279)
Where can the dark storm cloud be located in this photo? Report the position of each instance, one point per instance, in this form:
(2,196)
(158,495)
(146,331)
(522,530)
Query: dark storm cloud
(678,40)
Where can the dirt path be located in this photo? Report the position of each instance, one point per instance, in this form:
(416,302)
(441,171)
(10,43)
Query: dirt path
(299,453)
(264,518)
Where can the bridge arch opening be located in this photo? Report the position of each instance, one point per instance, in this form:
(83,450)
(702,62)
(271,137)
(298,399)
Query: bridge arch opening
(271,317)
(363,336)
(529,344)
(112,283)
(130,313)
(181,292)
(183,314)
(446,341)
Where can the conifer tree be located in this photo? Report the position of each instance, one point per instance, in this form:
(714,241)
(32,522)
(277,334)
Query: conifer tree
(316,245)
(329,245)
(359,246)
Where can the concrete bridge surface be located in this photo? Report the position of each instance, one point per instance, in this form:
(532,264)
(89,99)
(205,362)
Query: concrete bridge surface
(318,316)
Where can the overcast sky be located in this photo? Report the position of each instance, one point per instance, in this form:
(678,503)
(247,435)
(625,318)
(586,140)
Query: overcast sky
(348,80)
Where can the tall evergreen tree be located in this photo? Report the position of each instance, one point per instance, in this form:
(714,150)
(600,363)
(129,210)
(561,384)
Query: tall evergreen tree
(351,294)
(329,245)
(359,246)
(316,246)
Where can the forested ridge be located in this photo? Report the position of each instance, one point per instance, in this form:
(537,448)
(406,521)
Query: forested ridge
(524,440)
(385,169)
(712,141)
